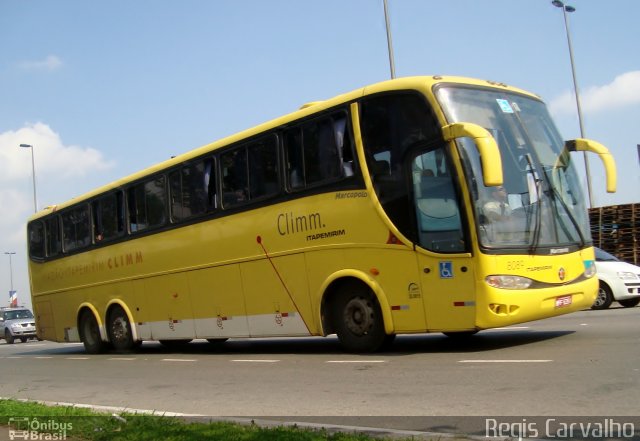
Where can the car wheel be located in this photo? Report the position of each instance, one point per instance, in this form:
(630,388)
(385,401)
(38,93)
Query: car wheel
(24,340)
(8,337)
(604,298)
(629,303)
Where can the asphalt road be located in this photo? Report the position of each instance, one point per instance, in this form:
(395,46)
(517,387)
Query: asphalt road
(583,364)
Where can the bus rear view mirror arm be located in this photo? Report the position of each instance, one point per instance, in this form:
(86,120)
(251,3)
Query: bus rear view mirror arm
(587,145)
(486,145)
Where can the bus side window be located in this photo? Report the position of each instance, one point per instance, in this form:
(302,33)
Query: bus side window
(36,240)
(108,217)
(188,188)
(294,158)
(76,228)
(318,151)
(437,207)
(263,168)
(147,204)
(234,177)
(54,241)
(209,181)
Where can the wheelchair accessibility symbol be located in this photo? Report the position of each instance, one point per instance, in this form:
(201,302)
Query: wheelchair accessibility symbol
(446,270)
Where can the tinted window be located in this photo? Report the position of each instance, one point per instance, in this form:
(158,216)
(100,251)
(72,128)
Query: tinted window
(392,127)
(54,241)
(192,190)
(318,151)
(108,217)
(36,240)
(76,228)
(263,168)
(147,204)
(250,172)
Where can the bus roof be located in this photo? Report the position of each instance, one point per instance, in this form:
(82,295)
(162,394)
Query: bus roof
(406,83)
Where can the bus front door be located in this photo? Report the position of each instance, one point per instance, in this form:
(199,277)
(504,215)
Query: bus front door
(448,291)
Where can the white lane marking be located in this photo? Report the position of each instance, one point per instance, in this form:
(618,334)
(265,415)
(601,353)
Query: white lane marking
(43,358)
(122,358)
(178,359)
(77,358)
(356,361)
(256,361)
(504,361)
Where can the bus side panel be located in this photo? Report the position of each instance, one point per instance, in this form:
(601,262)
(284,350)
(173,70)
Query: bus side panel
(277,297)
(168,303)
(218,303)
(45,323)
(397,278)
(400,282)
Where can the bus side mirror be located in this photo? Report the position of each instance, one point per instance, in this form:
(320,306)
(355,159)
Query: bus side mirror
(486,145)
(587,145)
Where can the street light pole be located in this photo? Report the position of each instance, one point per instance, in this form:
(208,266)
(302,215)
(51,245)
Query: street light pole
(389,42)
(565,9)
(10,253)
(33,174)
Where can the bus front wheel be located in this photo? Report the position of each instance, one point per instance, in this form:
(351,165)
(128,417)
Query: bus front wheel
(119,330)
(358,319)
(90,334)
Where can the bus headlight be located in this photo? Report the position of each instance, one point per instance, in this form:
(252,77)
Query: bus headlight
(509,282)
(589,268)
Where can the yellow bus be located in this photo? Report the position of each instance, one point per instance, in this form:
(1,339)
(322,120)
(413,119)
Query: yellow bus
(422,204)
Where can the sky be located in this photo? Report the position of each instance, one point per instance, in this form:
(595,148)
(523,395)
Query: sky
(104,89)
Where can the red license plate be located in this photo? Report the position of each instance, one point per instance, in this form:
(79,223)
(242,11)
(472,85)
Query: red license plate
(563,301)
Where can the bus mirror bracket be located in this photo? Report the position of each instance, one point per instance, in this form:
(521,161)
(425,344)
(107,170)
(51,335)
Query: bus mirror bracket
(486,145)
(587,145)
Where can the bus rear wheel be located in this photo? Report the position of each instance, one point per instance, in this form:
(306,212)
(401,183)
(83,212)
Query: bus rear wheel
(358,319)
(119,330)
(90,334)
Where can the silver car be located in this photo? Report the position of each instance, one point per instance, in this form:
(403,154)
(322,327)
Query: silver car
(17,323)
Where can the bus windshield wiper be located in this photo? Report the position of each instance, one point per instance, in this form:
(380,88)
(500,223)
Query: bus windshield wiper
(535,239)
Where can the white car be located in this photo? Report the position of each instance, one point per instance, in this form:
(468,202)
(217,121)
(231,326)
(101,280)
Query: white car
(619,281)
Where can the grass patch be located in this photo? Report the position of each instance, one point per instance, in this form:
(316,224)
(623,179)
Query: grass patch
(84,424)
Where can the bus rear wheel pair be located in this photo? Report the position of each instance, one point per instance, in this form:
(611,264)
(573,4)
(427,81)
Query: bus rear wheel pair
(118,330)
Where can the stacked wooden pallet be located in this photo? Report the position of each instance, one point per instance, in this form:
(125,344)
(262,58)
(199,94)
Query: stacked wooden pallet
(616,229)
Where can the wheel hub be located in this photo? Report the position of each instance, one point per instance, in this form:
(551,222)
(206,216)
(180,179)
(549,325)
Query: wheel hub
(359,316)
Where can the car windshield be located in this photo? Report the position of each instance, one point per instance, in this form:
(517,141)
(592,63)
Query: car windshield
(20,314)
(540,204)
(603,256)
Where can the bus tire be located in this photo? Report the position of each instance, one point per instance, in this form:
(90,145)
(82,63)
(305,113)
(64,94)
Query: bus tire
(358,319)
(90,334)
(119,330)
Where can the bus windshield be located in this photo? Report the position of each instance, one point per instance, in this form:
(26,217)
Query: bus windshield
(540,205)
